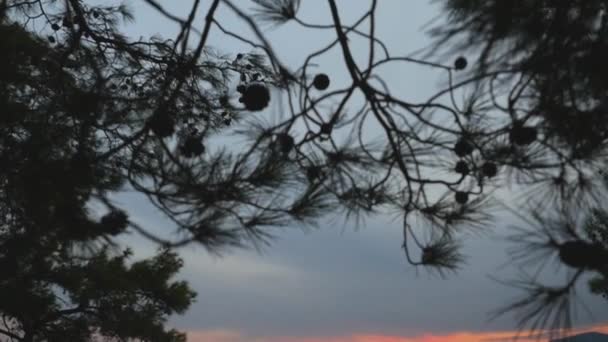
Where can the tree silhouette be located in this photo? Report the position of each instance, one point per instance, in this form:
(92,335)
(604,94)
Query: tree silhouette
(542,63)
(63,279)
(90,112)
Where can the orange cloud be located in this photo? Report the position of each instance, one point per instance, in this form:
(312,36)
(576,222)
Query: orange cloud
(500,336)
(214,336)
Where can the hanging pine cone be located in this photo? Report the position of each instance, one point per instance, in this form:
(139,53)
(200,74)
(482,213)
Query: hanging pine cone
(462,197)
(321,82)
(463,148)
(462,168)
(460,63)
(256,97)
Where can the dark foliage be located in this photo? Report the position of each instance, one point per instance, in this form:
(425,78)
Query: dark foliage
(543,58)
(63,277)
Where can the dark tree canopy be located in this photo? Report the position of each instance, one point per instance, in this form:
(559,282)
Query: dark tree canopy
(62,277)
(89,112)
(544,61)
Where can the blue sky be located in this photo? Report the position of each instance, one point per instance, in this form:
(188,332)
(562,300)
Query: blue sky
(334,281)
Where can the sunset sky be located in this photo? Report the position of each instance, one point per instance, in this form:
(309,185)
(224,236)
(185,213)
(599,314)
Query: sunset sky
(496,336)
(337,284)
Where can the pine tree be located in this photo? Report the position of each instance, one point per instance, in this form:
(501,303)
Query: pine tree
(544,62)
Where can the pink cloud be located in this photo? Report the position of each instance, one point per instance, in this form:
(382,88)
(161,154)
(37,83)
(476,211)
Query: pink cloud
(214,336)
(235,336)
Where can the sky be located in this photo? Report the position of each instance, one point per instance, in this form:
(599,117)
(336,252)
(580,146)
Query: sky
(337,283)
